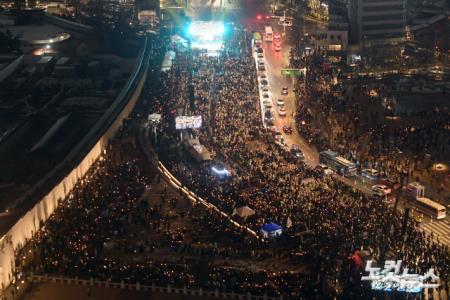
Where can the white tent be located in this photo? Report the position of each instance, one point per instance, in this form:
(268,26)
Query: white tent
(178,40)
(197,150)
(154,118)
(168,61)
(244,212)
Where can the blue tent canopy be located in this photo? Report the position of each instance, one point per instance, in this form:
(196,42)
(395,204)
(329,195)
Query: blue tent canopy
(270,227)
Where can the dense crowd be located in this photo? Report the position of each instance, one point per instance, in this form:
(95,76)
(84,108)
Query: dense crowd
(266,178)
(369,121)
(95,211)
(263,176)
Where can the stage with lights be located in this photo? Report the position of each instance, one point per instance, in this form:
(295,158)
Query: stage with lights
(207,35)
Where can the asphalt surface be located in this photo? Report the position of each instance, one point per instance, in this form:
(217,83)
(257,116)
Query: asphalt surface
(274,62)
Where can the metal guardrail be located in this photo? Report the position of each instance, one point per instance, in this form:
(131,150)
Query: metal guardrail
(150,288)
(196,199)
(170,178)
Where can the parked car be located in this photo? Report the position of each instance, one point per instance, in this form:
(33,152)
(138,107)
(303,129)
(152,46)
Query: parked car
(372,174)
(268,115)
(287,129)
(277,46)
(392,184)
(296,152)
(277,135)
(324,170)
(285,22)
(267,104)
(381,189)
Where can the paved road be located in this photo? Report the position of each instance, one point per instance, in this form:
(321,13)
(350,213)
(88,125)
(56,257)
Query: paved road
(439,228)
(56,291)
(275,61)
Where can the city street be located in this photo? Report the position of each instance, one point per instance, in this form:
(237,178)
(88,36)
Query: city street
(275,61)
(439,228)
(207,174)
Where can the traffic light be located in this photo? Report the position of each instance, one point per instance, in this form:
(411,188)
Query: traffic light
(260,17)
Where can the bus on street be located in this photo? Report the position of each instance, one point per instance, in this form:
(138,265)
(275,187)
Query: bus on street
(430,207)
(337,163)
(257,39)
(268,34)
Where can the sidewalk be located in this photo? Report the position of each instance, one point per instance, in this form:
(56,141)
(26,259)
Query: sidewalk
(58,291)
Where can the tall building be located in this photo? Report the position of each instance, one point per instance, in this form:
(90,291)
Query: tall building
(377,22)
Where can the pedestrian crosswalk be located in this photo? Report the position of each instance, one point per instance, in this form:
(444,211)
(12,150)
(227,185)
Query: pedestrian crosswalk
(440,230)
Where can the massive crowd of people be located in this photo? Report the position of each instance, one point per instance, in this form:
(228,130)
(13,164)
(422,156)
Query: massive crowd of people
(370,123)
(323,219)
(265,177)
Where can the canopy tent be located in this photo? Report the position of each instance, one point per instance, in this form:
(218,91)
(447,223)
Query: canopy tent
(244,211)
(154,118)
(197,150)
(178,41)
(271,230)
(168,61)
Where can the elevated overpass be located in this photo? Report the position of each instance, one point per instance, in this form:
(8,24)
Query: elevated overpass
(27,213)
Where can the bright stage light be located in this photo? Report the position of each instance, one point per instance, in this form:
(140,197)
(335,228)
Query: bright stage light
(207,35)
(221,171)
(191,29)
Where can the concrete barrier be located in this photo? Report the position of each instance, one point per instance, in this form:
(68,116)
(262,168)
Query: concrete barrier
(194,198)
(70,170)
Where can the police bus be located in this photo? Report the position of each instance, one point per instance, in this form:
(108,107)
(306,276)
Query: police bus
(337,163)
(257,39)
(430,207)
(268,36)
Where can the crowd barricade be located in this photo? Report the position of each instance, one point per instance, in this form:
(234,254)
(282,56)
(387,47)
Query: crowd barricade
(196,199)
(150,288)
(153,158)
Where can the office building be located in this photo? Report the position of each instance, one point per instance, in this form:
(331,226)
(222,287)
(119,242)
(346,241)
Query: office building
(377,22)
